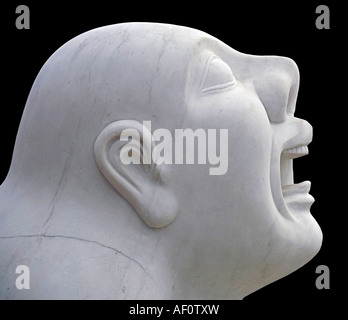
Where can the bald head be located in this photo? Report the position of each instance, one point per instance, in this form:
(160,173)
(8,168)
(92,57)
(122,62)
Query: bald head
(250,225)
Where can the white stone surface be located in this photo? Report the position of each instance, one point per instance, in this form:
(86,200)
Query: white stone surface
(88,226)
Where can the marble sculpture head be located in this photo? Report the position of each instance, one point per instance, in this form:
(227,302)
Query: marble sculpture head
(89,226)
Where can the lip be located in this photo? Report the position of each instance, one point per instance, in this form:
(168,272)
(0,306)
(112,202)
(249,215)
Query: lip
(297,197)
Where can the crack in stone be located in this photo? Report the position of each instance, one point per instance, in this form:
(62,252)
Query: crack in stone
(78,239)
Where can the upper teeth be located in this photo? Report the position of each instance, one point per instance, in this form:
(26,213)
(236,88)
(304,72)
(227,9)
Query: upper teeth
(296,151)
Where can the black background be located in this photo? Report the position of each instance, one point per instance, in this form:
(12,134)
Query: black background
(261,28)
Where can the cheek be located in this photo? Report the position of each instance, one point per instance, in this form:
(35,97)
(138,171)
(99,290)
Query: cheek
(249,145)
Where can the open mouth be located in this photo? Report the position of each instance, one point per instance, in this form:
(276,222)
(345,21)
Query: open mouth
(295,196)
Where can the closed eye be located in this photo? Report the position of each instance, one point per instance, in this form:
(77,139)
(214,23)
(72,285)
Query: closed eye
(217,76)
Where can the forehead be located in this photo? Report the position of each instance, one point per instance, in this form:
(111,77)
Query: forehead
(147,68)
(156,41)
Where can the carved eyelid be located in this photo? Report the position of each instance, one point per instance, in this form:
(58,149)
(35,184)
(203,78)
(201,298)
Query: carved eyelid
(212,81)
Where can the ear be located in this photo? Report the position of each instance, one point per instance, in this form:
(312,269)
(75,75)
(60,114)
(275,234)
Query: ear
(131,169)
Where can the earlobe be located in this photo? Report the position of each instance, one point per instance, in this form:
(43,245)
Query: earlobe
(129,169)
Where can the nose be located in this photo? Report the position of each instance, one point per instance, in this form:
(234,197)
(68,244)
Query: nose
(299,132)
(276,83)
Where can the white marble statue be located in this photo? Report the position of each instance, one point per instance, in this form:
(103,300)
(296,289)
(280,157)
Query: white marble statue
(104,200)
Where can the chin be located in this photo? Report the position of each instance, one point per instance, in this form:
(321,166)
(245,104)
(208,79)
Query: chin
(299,240)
